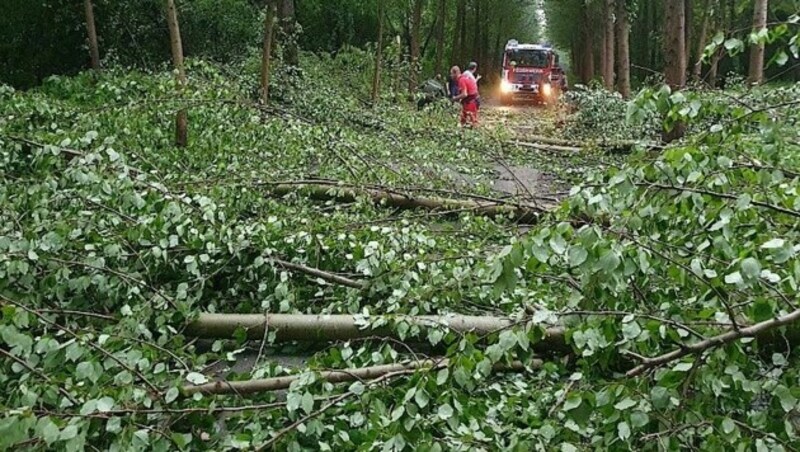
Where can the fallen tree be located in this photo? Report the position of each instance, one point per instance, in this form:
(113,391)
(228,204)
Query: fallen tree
(342,327)
(326,191)
(338,376)
(560,145)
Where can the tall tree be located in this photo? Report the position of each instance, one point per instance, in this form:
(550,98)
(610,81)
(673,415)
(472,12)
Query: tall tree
(675,43)
(756,72)
(608,44)
(675,54)
(688,29)
(266,56)
(376,76)
(587,48)
(91,30)
(288,26)
(623,60)
(697,58)
(458,34)
(441,23)
(416,30)
(181,119)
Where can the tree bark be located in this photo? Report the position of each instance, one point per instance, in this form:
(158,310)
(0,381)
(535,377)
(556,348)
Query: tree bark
(91,30)
(441,23)
(608,44)
(246,387)
(181,118)
(522,213)
(376,76)
(587,51)
(675,55)
(291,55)
(674,44)
(416,27)
(689,32)
(623,59)
(756,73)
(458,36)
(343,327)
(266,56)
(697,64)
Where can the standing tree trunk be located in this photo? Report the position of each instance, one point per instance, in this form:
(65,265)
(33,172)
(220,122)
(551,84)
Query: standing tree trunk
(697,64)
(756,72)
(476,30)
(441,22)
(675,54)
(290,52)
(587,52)
(266,56)
(458,35)
(181,119)
(689,33)
(376,77)
(94,49)
(416,28)
(623,60)
(608,44)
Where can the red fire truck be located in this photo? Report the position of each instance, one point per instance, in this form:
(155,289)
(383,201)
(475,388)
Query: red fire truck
(531,72)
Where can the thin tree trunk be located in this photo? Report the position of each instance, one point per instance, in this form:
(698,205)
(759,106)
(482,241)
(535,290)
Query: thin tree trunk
(756,73)
(245,387)
(689,32)
(623,59)
(587,52)
(343,327)
(476,33)
(416,27)
(697,68)
(458,41)
(608,44)
(441,23)
(376,77)
(94,49)
(287,16)
(266,56)
(675,54)
(181,119)
(674,44)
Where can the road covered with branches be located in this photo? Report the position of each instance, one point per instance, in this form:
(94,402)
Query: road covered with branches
(321,272)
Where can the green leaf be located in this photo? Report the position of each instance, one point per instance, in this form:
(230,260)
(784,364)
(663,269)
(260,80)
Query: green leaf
(196,378)
(623,431)
(171,395)
(307,403)
(751,268)
(445,412)
(106,404)
(572,402)
(357,388)
(577,256)
(787,399)
(728,426)
(625,403)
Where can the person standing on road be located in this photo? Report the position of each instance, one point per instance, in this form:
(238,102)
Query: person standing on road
(452,82)
(468,96)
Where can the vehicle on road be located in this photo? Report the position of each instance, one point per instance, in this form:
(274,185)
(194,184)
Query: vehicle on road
(531,73)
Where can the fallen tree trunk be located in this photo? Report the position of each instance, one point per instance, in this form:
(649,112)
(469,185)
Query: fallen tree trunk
(326,191)
(559,145)
(342,327)
(336,376)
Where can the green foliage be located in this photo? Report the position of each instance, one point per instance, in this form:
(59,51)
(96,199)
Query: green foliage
(105,257)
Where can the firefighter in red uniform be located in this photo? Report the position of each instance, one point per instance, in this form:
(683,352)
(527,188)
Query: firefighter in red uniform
(468,96)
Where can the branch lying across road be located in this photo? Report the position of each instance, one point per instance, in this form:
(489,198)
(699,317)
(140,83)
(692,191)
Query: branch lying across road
(336,376)
(722,339)
(327,191)
(343,327)
(558,145)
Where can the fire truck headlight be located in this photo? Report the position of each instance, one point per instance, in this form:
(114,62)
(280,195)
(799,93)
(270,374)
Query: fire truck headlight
(547,89)
(506,87)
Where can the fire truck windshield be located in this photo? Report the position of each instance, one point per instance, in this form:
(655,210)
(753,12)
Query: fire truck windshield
(528,58)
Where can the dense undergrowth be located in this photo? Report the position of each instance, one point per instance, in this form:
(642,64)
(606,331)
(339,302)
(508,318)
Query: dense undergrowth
(112,239)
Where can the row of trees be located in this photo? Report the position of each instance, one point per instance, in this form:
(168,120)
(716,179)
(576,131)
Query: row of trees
(671,38)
